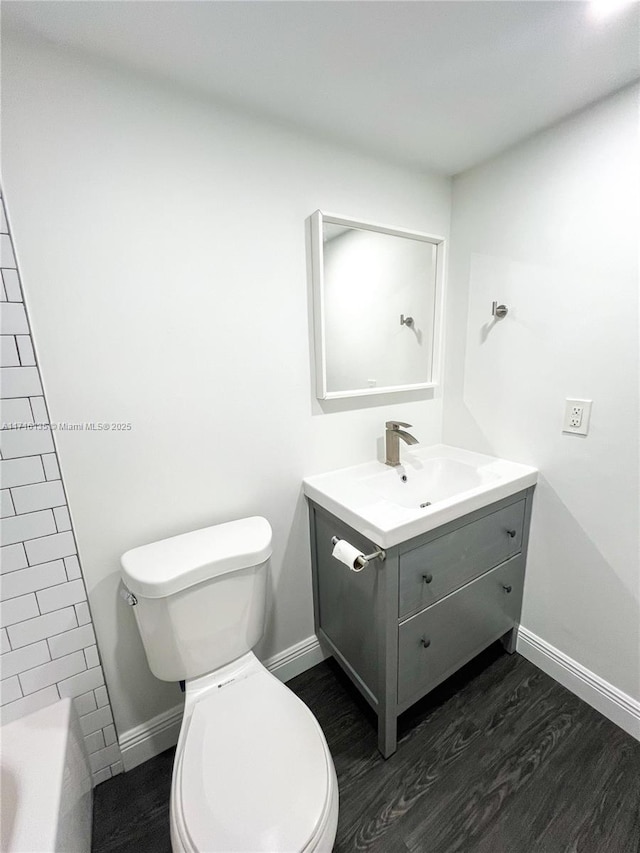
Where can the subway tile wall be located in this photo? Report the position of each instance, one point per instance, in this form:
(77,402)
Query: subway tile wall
(48,647)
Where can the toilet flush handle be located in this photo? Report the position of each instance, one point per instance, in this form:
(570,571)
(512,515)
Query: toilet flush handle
(128,596)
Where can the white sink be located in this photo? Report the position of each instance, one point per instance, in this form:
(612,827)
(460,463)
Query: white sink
(433,485)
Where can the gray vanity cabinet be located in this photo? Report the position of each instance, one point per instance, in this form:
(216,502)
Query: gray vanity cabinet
(402,625)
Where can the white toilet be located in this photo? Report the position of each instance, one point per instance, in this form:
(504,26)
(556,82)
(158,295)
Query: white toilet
(253,771)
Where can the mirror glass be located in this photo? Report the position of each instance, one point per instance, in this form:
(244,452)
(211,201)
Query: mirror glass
(377,299)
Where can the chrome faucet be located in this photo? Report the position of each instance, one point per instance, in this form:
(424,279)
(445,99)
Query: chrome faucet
(393,434)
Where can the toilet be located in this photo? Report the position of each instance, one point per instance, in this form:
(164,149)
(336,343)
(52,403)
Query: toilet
(252,771)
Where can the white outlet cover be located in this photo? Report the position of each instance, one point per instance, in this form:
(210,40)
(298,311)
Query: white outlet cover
(569,415)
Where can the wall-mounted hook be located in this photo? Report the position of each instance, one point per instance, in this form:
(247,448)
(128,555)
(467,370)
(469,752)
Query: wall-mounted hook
(406,321)
(499,311)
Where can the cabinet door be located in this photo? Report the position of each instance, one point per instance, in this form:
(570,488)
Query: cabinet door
(434,643)
(430,572)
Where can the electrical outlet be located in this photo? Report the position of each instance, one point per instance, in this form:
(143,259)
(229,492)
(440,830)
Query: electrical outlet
(576,416)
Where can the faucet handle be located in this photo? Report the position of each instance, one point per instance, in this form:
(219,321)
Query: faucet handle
(397,425)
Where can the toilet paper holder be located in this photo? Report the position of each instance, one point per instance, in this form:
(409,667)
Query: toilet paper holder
(365,559)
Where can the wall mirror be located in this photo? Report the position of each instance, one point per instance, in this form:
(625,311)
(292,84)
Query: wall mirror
(377,304)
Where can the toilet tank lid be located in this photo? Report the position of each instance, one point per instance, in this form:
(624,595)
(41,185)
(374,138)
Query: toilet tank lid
(166,567)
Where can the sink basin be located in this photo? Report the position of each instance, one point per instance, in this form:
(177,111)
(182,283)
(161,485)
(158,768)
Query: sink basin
(432,486)
(434,480)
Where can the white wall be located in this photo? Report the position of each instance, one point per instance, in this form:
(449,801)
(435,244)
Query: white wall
(162,242)
(551,229)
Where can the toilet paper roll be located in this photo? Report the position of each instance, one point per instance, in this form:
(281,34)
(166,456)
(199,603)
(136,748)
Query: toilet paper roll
(349,555)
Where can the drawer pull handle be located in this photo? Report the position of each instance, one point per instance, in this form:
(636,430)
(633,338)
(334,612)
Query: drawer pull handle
(427,578)
(425,642)
(506,587)
(511,533)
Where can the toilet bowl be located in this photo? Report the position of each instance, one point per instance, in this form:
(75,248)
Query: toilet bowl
(270,786)
(253,771)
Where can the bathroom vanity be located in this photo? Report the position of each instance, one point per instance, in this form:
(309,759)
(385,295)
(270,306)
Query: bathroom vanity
(430,602)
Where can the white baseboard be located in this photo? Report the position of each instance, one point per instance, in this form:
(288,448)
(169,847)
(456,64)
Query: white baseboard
(296,659)
(612,703)
(154,736)
(150,738)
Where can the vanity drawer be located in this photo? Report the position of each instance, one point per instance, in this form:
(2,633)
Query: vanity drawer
(434,643)
(430,572)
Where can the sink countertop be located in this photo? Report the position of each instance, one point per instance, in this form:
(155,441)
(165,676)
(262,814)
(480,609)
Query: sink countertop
(374,498)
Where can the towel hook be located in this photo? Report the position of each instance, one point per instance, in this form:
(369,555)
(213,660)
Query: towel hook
(499,311)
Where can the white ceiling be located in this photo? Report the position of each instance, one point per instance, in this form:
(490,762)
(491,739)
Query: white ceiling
(438,84)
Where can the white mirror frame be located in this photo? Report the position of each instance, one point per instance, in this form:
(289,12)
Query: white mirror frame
(317,220)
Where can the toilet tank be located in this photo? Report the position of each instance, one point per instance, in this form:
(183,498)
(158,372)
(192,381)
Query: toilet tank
(200,597)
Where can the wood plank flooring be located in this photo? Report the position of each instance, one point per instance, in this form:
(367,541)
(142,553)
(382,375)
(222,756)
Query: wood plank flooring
(498,759)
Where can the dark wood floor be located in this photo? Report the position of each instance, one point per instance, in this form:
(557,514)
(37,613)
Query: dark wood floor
(499,759)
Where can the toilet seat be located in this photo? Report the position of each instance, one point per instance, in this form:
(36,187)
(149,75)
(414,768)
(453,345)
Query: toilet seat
(253,772)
